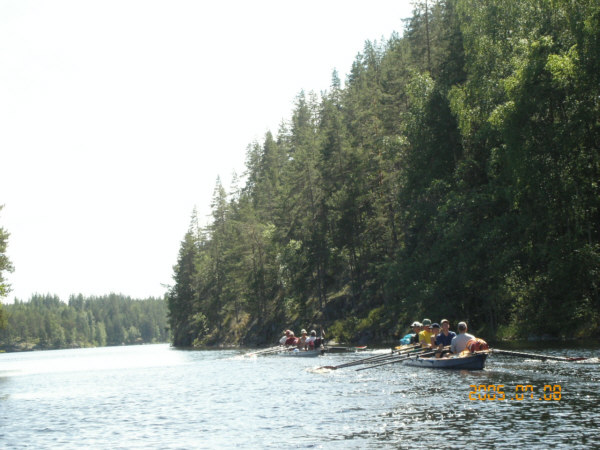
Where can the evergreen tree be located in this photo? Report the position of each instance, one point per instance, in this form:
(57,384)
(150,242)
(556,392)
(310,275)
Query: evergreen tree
(5,266)
(182,297)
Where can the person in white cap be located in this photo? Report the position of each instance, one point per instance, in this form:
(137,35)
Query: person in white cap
(302,340)
(310,341)
(286,335)
(416,326)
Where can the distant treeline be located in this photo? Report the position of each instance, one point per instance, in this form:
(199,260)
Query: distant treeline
(456,174)
(45,322)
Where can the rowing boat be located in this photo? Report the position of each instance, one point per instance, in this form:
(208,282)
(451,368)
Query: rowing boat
(295,352)
(345,349)
(475,361)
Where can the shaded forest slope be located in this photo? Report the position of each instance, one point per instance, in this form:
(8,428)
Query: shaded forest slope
(454,174)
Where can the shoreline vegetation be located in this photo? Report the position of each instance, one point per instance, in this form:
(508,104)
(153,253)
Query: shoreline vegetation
(454,175)
(45,322)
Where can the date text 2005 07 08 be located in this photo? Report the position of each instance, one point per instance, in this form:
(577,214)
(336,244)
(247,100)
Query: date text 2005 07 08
(496,392)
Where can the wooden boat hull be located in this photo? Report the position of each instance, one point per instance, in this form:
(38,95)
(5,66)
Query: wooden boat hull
(473,362)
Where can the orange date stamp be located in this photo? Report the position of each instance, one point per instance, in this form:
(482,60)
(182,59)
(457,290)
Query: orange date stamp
(497,392)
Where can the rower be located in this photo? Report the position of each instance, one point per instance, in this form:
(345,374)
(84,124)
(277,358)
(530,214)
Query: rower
(425,335)
(291,340)
(444,338)
(302,340)
(417,327)
(412,338)
(435,330)
(459,343)
(310,341)
(286,335)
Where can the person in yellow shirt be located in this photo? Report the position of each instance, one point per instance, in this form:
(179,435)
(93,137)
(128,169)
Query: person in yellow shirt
(425,335)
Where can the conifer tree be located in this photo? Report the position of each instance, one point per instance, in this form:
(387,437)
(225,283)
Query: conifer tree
(183,296)
(5,266)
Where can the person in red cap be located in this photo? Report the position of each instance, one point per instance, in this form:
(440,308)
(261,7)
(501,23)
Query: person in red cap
(291,340)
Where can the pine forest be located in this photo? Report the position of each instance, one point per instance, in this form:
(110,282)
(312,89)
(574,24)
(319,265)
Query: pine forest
(453,174)
(46,322)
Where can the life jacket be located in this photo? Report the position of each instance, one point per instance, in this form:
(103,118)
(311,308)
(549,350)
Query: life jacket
(407,339)
(477,345)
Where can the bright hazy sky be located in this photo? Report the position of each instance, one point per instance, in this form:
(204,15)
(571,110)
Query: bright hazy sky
(117,116)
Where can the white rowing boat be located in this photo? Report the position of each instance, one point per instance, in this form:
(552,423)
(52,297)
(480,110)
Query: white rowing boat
(297,353)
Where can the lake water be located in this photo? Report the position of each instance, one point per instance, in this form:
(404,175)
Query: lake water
(158,397)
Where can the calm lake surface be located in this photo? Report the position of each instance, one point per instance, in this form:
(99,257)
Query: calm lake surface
(157,397)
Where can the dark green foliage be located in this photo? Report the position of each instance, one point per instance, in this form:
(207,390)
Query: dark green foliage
(456,174)
(5,266)
(45,322)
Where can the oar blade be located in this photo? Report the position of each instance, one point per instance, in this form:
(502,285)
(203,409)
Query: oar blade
(536,356)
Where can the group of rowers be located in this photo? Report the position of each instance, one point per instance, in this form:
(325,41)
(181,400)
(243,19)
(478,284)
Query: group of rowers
(437,338)
(304,342)
(426,335)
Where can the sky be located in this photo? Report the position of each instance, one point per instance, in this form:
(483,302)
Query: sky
(117,117)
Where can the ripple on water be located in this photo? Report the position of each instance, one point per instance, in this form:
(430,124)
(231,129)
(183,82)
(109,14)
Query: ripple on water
(207,399)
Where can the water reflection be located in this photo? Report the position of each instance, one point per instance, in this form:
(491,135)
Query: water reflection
(154,396)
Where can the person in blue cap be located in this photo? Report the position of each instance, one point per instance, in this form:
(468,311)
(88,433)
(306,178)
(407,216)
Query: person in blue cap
(435,330)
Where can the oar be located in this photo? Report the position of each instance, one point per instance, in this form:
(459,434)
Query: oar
(368,360)
(536,356)
(404,358)
(403,346)
(265,351)
(413,352)
(371,359)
